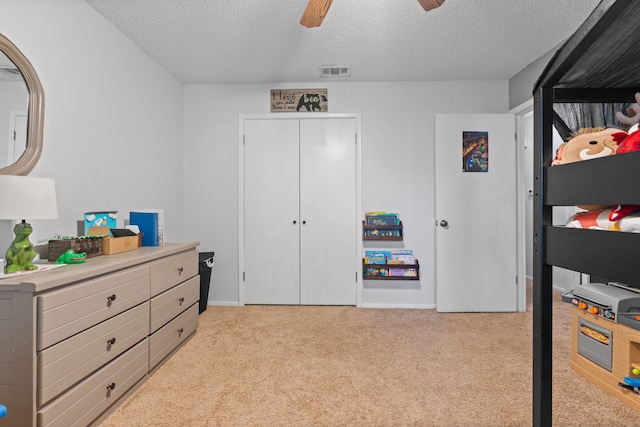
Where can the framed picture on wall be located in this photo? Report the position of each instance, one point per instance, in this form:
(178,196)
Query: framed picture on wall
(299,100)
(475,151)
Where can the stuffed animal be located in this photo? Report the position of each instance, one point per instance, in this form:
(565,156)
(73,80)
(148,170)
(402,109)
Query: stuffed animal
(586,144)
(627,142)
(592,143)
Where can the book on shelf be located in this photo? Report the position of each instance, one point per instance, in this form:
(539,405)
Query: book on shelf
(377,257)
(402,256)
(403,272)
(381,218)
(380,272)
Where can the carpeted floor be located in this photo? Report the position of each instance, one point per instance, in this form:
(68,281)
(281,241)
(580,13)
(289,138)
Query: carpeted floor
(344,366)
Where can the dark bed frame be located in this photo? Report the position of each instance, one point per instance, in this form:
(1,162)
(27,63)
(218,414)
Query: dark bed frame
(599,63)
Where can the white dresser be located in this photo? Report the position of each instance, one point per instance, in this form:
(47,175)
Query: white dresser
(76,341)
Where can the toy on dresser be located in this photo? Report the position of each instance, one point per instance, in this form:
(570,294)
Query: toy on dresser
(21,253)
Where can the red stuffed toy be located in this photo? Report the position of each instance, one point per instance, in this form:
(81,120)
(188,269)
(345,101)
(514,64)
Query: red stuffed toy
(627,142)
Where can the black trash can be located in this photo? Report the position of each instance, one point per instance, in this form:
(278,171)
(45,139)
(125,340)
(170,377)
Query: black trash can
(204,268)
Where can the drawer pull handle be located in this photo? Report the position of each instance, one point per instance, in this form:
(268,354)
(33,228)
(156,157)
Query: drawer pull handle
(110,299)
(180,331)
(112,341)
(180,270)
(181,300)
(111,386)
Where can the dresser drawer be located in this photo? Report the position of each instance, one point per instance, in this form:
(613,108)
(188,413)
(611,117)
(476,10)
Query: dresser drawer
(85,402)
(64,364)
(68,311)
(169,304)
(167,338)
(169,271)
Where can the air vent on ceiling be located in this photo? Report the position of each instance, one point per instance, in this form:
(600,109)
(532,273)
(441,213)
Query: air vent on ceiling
(335,70)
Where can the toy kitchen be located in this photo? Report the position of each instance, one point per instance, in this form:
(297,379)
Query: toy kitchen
(606,336)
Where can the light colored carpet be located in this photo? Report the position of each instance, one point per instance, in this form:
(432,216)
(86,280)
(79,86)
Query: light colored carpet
(344,366)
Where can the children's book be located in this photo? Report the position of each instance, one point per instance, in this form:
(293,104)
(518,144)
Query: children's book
(404,256)
(377,257)
(383,219)
(403,272)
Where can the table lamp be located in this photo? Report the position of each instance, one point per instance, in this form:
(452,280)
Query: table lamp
(25,197)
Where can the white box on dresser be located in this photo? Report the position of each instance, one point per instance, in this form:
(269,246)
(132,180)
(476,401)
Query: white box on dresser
(76,341)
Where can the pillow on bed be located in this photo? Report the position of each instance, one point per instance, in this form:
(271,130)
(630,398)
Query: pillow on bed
(618,218)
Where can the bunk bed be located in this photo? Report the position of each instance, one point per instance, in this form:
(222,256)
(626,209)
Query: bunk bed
(598,65)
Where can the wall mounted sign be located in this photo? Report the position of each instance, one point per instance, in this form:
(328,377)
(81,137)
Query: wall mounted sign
(299,100)
(475,151)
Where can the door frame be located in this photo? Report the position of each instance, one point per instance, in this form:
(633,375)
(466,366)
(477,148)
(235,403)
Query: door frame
(521,199)
(357,257)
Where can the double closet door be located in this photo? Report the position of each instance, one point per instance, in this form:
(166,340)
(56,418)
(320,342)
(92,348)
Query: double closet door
(300,224)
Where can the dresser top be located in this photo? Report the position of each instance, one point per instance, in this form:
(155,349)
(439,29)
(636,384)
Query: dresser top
(104,264)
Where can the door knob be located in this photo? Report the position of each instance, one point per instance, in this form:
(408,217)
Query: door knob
(443,223)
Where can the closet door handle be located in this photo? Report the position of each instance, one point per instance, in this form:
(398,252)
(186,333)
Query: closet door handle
(304,222)
(294,222)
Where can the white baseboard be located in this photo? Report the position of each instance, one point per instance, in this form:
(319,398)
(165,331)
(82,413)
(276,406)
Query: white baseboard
(407,306)
(224,303)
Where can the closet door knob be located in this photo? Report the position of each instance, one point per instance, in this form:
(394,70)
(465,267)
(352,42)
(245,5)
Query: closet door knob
(304,222)
(443,223)
(294,222)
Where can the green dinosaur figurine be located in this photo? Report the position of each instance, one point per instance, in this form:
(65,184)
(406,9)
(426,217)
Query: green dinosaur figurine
(70,257)
(20,254)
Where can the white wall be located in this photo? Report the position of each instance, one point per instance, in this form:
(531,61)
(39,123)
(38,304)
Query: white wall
(397,157)
(113,117)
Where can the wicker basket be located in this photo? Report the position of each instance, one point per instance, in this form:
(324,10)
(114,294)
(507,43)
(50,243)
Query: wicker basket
(90,245)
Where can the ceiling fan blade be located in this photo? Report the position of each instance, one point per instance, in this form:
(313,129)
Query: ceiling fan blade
(315,12)
(427,5)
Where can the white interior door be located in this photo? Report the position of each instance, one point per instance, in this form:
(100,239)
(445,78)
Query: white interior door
(271,212)
(328,230)
(17,135)
(476,214)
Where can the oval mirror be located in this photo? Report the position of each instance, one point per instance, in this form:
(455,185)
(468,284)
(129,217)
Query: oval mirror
(21,112)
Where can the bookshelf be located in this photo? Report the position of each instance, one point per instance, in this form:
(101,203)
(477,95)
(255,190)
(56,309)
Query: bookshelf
(382,232)
(369,269)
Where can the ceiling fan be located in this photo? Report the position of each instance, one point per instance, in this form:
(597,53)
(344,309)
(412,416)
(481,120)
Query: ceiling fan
(317,9)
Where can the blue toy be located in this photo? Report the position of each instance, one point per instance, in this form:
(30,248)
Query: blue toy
(634,382)
(3,411)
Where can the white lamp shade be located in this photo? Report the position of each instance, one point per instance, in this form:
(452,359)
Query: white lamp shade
(27,197)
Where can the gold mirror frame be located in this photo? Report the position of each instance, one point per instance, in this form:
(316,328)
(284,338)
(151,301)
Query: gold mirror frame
(35,118)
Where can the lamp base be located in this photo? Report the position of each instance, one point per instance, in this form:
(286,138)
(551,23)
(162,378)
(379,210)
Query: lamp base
(20,254)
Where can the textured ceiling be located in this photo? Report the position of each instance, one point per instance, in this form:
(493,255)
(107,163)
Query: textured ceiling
(249,41)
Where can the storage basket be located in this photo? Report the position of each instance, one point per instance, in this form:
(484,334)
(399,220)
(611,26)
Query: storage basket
(90,245)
